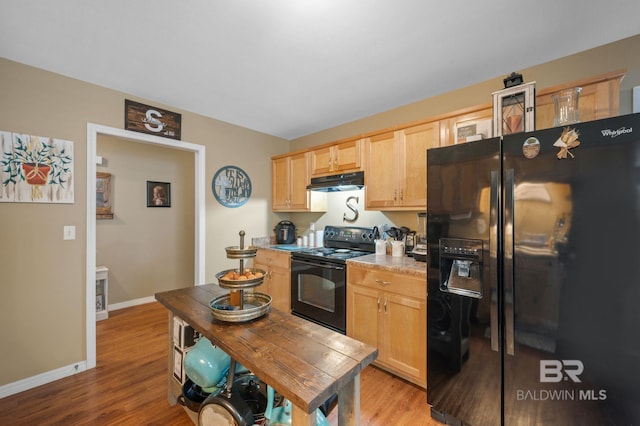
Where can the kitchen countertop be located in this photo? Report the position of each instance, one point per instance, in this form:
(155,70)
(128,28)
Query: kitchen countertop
(405,264)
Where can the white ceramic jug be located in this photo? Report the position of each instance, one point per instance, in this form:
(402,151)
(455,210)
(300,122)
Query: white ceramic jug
(397,248)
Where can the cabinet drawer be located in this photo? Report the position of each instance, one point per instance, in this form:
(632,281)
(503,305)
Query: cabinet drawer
(273,259)
(392,282)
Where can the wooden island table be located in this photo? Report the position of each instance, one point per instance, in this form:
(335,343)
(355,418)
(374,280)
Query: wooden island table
(304,362)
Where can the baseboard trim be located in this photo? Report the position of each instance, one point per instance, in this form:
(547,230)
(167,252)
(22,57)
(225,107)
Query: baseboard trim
(130,303)
(62,372)
(42,379)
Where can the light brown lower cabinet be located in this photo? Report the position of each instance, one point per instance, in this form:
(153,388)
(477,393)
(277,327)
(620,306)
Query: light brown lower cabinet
(277,282)
(389,310)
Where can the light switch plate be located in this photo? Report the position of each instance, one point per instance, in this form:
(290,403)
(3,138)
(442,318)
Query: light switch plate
(69,233)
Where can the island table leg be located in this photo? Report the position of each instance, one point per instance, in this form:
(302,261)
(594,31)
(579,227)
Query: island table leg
(172,396)
(349,403)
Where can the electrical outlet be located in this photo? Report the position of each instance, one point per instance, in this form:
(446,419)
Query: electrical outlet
(69,233)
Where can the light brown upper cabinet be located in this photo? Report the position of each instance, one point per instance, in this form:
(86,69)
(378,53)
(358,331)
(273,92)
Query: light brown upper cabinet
(394,159)
(396,167)
(290,177)
(337,158)
(469,122)
(600,98)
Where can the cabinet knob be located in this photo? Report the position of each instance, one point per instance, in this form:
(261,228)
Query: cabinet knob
(383,283)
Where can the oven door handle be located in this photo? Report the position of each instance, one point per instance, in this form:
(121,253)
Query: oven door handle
(320,265)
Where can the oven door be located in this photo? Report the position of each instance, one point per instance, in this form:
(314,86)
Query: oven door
(318,292)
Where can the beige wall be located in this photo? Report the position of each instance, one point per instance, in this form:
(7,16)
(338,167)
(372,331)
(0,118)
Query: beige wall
(160,239)
(42,278)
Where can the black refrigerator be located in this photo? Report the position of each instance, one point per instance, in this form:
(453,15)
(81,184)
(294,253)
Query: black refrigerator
(534,277)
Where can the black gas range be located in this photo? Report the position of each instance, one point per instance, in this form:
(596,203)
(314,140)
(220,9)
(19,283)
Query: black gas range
(319,275)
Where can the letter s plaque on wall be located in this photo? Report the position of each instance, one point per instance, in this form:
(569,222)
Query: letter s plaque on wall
(155,121)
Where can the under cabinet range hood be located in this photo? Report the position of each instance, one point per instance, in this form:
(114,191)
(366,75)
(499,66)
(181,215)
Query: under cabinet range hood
(334,183)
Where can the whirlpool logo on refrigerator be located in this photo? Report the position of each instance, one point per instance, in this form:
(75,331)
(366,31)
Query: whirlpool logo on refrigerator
(558,371)
(617,132)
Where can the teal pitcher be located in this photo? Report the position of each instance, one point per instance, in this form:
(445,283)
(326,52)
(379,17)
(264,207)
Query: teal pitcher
(282,415)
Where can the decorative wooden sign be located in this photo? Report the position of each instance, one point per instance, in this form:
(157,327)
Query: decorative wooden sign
(231,186)
(147,119)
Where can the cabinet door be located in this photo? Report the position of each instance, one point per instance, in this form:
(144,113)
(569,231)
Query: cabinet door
(277,283)
(280,183)
(347,156)
(404,346)
(321,161)
(413,192)
(339,158)
(280,287)
(456,129)
(597,100)
(298,181)
(363,305)
(381,162)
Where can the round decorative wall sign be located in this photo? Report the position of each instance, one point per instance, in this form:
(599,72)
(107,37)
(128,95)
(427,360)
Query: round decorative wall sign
(231,186)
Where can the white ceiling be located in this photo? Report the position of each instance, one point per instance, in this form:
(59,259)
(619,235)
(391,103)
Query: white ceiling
(293,67)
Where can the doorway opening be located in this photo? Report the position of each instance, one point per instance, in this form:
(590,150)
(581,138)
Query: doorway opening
(93,131)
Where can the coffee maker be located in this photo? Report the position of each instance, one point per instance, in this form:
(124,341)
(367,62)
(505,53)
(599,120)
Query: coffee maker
(420,240)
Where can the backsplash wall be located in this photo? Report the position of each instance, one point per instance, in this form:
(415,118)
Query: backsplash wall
(337,209)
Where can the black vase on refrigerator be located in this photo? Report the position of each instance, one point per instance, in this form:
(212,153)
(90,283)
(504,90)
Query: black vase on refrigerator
(534,277)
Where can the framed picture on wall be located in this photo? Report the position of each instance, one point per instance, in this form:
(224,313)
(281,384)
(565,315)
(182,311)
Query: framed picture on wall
(103,196)
(158,194)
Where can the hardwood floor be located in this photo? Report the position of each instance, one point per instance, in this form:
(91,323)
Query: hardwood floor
(128,386)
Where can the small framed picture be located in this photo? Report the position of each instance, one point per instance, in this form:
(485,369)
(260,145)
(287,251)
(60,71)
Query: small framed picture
(158,194)
(103,196)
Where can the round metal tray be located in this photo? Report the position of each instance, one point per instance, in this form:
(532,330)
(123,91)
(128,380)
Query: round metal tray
(255,305)
(235,252)
(240,284)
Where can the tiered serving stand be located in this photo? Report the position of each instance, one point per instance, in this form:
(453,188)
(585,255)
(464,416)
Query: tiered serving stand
(238,305)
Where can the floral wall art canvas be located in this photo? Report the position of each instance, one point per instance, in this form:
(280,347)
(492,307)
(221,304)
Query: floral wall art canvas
(36,169)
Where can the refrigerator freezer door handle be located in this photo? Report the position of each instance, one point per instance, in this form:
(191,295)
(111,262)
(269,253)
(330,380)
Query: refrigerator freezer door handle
(509,232)
(493,259)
